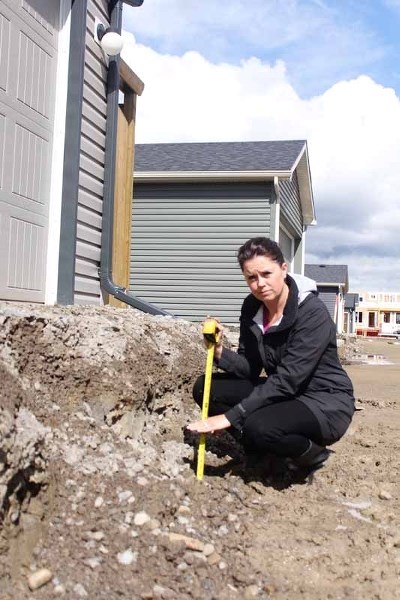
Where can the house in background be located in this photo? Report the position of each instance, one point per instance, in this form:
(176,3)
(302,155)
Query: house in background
(350,313)
(196,203)
(378,313)
(58,143)
(332,284)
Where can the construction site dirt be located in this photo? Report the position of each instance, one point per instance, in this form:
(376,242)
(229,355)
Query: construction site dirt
(98,491)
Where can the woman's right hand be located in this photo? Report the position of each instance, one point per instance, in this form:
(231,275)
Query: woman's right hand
(220,334)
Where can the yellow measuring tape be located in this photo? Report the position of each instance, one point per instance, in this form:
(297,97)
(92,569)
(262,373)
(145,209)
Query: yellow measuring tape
(211,337)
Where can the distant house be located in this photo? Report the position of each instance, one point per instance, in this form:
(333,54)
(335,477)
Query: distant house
(58,143)
(378,313)
(195,203)
(332,283)
(350,312)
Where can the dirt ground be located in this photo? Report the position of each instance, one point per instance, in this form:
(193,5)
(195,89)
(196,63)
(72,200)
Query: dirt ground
(107,499)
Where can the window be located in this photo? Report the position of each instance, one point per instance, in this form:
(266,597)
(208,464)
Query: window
(371,319)
(359,317)
(386,317)
(397,318)
(361,299)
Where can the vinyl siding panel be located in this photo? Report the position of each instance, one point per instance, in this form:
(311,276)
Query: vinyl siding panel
(290,204)
(91,177)
(328,296)
(184,243)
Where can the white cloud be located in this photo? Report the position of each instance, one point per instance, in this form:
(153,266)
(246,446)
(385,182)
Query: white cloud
(353,131)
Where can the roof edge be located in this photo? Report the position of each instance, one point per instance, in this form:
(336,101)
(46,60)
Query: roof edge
(209,175)
(302,167)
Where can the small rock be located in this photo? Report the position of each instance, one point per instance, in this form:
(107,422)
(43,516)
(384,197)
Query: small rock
(142,481)
(39,578)
(191,543)
(251,592)
(222,565)
(127,557)
(95,535)
(122,496)
(58,590)
(213,559)
(80,591)
(141,518)
(93,563)
(208,549)
(98,502)
(384,495)
(183,510)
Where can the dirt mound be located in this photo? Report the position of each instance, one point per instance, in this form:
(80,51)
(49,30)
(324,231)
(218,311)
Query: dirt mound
(98,485)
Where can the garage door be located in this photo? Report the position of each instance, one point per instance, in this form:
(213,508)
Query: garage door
(28,59)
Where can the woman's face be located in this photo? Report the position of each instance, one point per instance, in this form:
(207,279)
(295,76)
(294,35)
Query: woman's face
(265,278)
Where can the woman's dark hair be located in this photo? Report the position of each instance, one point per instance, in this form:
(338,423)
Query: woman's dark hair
(259,246)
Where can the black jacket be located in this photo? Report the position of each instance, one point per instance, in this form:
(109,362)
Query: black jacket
(299,356)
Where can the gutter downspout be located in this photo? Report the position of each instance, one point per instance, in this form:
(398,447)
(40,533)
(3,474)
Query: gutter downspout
(105,271)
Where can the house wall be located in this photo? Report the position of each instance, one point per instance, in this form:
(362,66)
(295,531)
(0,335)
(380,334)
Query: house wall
(328,296)
(290,204)
(184,243)
(91,171)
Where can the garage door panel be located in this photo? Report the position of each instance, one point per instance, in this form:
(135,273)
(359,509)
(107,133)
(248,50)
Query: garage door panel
(2,147)
(4,54)
(39,16)
(23,246)
(24,164)
(28,64)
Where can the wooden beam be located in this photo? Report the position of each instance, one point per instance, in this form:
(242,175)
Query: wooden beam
(129,79)
(123,194)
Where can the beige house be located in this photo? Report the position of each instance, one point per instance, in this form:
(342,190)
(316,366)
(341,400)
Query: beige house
(378,313)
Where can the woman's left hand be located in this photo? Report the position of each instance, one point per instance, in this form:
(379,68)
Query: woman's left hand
(210,425)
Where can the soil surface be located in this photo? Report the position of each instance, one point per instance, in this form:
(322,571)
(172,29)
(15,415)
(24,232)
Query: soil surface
(98,484)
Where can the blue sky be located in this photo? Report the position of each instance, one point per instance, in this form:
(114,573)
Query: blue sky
(320,41)
(328,72)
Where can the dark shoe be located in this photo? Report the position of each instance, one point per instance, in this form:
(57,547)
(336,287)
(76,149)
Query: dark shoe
(312,459)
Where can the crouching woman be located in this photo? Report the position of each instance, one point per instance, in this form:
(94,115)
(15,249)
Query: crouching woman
(284,392)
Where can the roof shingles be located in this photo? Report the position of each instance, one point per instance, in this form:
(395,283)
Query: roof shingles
(218,156)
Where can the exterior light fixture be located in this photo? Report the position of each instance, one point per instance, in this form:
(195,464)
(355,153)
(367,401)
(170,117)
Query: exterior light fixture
(109,39)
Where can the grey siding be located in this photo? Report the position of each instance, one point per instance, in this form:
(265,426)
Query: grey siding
(28,62)
(184,243)
(290,204)
(91,177)
(328,296)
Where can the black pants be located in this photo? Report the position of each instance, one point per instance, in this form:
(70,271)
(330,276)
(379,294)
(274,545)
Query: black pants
(283,428)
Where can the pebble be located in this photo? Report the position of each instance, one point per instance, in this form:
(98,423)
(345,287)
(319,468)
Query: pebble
(142,481)
(222,565)
(122,496)
(213,559)
(141,518)
(95,535)
(384,495)
(127,557)
(251,592)
(39,578)
(59,590)
(183,510)
(98,502)
(208,549)
(93,563)
(80,591)
(191,543)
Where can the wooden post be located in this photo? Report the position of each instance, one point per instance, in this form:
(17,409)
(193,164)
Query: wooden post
(123,193)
